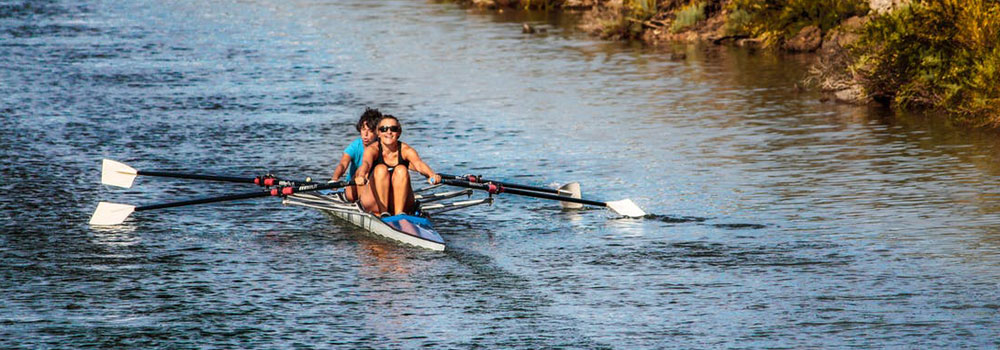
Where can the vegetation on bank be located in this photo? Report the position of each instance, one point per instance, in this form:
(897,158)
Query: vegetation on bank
(939,54)
(942,54)
(776,21)
(687,16)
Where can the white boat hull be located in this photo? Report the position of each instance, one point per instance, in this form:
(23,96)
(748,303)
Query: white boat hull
(407,229)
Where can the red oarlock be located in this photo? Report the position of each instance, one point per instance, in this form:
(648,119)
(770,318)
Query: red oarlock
(265,180)
(494,188)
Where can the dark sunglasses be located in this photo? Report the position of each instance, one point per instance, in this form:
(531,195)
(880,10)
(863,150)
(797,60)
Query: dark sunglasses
(394,128)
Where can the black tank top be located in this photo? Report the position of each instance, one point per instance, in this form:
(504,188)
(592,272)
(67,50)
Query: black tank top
(399,157)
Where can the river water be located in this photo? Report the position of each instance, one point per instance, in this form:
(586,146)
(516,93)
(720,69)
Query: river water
(776,220)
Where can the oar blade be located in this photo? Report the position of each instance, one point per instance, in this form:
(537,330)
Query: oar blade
(571,190)
(117,174)
(626,207)
(111,213)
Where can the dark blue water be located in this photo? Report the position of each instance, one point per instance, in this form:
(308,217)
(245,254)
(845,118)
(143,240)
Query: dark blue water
(777,220)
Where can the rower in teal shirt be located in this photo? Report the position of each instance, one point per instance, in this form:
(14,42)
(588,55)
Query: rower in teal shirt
(350,161)
(356,150)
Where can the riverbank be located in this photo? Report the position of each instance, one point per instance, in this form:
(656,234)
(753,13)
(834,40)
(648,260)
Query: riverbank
(928,55)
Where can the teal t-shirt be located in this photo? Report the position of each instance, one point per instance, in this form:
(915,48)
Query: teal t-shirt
(356,150)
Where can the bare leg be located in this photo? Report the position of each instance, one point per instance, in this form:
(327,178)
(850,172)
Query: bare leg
(367,198)
(402,195)
(351,192)
(380,182)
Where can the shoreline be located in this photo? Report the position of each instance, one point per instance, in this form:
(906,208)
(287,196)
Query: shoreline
(868,51)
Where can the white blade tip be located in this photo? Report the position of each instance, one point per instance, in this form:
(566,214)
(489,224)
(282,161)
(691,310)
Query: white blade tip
(110,214)
(626,207)
(117,174)
(571,190)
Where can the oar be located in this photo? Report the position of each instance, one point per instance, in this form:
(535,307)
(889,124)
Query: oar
(118,174)
(114,213)
(571,189)
(624,207)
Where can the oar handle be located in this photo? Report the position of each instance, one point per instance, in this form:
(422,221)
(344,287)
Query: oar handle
(263,181)
(277,191)
(480,179)
(496,188)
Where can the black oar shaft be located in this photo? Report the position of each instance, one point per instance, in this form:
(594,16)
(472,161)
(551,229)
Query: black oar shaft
(503,189)
(555,197)
(204,201)
(272,192)
(260,180)
(478,179)
(196,176)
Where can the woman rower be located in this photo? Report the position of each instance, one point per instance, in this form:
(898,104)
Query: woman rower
(350,161)
(387,163)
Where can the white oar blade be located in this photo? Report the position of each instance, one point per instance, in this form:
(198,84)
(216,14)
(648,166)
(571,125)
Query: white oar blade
(626,207)
(117,174)
(111,213)
(571,190)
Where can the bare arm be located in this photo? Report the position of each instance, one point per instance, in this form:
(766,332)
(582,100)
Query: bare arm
(361,177)
(418,165)
(345,161)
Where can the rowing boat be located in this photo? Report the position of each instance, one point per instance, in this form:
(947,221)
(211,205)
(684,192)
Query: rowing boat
(408,229)
(415,230)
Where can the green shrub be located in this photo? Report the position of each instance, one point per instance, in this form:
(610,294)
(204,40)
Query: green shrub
(935,53)
(775,20)
(640,9)
(737,21)
(541,4)
(627,23)
(687,16)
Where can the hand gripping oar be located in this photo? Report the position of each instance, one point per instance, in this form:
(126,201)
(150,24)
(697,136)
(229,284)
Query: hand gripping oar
(114,214)
(118,174)
(571,189)
(624,207)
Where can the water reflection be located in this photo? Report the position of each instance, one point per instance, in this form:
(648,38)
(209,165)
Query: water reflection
(382,260)
(626,228)
(111,236)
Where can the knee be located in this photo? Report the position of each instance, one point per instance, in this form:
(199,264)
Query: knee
(400,173)
(380,171)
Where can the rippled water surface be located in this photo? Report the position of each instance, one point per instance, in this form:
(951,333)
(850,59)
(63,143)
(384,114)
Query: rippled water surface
(777,220)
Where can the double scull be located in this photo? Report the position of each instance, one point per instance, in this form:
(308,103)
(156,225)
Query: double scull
(415,230)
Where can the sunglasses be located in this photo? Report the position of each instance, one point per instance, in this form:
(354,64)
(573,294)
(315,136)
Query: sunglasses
(394,128)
